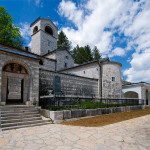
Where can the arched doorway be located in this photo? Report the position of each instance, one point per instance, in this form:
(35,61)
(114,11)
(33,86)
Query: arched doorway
(131,94)
(15,83)
(146,97)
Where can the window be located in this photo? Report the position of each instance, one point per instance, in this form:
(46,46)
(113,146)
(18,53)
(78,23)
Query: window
(41,62)
(66,65)
(67,57)
(49,30)
(35,29)
(113,78)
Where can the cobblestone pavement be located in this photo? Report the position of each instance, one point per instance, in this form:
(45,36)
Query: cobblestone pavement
(127,135)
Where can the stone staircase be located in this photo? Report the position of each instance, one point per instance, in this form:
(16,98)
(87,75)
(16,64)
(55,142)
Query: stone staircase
(20,116)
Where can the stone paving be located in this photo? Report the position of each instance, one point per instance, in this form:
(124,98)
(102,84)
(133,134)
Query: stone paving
(127,135)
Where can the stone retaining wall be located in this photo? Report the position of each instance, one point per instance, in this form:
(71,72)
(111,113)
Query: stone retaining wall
(60,116)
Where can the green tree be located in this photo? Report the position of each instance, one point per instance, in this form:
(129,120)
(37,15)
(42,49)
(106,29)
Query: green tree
(96,53)
(82,54)
(85,54)
(9,33)
(63,41)
(88,53)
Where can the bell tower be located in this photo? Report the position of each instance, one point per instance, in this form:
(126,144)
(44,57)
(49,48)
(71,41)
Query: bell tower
(44,36)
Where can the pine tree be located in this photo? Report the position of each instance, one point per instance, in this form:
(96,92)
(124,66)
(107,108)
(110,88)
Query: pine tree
(63,41)
(96,53)
(82,54)
(88,53)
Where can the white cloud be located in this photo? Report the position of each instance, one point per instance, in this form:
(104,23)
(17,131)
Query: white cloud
(25,33)
(56,23)
(117,52)
(25,30)
(97,21)
(38,3)
(140,67)
(91,26)
(69,10)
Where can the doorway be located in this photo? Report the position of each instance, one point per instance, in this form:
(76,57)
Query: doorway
(146,97)
(14,91)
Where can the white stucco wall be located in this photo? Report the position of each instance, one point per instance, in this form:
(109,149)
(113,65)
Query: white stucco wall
(89,71)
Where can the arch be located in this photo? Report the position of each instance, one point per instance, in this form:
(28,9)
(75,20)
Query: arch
(35,29)
(49,30)
(16,82)
(15,68)
(18,62)
(131,94)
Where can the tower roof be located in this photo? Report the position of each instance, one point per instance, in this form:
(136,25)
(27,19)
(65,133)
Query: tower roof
(39,18)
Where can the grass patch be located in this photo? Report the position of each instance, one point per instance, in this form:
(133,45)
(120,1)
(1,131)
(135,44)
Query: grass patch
(93,105)
(103,120)
(88,105)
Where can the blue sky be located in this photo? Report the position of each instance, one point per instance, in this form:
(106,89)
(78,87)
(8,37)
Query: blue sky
(119,28)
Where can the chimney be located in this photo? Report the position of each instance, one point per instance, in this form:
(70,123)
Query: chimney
(26,48)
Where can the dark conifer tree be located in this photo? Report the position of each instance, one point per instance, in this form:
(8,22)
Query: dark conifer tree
(63,41)
(96,53)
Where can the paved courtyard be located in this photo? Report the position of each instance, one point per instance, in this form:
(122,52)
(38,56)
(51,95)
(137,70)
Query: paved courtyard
(132,134)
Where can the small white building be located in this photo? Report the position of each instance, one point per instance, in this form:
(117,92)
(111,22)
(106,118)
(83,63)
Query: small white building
(139,90)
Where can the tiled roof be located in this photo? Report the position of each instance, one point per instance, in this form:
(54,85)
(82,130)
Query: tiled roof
(22,53)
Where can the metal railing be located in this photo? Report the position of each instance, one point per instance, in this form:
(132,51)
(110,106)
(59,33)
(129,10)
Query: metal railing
(67,103)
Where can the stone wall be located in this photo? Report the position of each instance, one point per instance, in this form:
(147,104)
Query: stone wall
(35,42)
(60,116)
(90,70)
(43,42)
(48,42)
(31,82)
(48,64)
(145,92)
(61,59)
(111,89)
(70,84)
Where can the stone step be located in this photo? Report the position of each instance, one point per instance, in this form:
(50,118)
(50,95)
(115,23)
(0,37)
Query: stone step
(19,111)
(24,126)
(22,123)
(16,106)
(3,121)
(5,117)
(13,117)
(18,114)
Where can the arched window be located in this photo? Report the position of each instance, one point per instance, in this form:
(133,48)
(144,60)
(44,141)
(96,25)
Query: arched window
(35,29)
(49,30)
